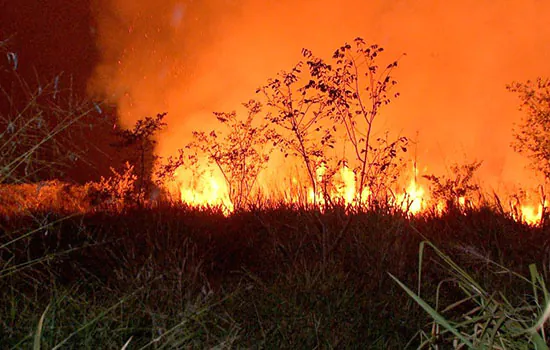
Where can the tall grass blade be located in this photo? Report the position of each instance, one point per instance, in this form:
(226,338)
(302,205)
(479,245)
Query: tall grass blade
(420,259)
(39,229)
(125,346)
(433,313)
(461,272)
(38,334)
(540,344)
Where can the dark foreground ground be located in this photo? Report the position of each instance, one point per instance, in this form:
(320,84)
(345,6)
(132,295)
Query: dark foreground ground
(172,277)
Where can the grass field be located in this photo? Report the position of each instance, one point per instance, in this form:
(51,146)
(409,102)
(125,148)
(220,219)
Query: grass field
(280,277)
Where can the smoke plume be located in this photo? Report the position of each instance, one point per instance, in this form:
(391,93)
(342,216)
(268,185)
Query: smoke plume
(190,58)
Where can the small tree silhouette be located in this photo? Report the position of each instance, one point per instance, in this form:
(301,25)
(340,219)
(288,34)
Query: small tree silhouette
(354,90)
(532,135)
(311,104)
(241,154)
(141,143)
(165,169)
(450,190)
(113,192)
(297,110)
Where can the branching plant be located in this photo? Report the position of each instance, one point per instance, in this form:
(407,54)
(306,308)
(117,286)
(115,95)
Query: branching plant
(532,135)
(340,98)
(116,191)
(241,154)
(165,169)
(355,89)
(298,112)
(140,140)
(455,191)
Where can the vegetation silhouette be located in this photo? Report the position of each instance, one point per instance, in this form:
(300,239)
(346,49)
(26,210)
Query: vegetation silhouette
(274,276)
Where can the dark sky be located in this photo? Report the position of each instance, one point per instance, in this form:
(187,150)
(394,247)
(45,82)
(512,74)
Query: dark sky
(50,37)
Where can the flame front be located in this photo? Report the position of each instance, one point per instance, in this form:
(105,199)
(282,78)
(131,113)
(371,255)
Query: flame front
(412,200)
(209,189)
(204,190)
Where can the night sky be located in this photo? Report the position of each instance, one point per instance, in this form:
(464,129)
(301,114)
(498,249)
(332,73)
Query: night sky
(56,38)
(51,37)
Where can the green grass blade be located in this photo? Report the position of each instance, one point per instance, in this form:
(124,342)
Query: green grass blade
(125,346)
(534,279)
(542,320)
(431,311)
(461,273)
(540,344)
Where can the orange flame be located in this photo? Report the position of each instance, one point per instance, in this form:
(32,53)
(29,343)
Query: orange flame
(530,214)
(412,200)
(204,190)
(208,188)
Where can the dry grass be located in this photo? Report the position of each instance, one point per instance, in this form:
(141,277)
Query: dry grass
(52,196)
(272,277)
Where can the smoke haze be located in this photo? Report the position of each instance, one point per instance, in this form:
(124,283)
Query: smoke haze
(191,58)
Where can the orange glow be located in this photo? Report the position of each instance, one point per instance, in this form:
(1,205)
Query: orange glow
(191,58)
(210,189)
(531,214)
(206,189)
(412,200)
(343,186)
(347,189)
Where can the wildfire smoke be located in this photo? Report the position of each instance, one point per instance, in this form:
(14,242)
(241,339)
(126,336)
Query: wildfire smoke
(190,58)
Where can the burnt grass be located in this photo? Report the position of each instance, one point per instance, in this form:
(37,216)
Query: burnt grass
(281,277)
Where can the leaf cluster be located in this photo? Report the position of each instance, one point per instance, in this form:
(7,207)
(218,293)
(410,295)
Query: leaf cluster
(532,134)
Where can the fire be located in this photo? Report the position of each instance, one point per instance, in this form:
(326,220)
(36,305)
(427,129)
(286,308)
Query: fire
(207,188)
(343,186)
(531,214)
(412,200)
(144,69)
(203,190)
(347,190)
